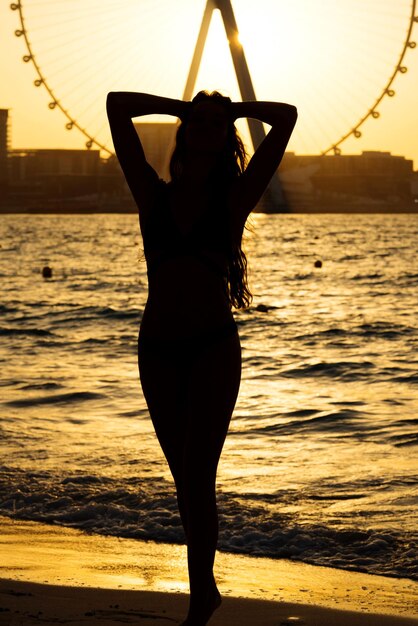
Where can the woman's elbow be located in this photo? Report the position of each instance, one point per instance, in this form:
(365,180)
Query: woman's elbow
(287,114)
(110,99)
(293,113)
(291,116)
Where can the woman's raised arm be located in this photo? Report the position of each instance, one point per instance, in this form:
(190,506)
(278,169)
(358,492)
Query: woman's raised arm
(266,159)
(121,108)
(134,104)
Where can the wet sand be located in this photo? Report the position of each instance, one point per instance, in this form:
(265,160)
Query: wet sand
(51,574)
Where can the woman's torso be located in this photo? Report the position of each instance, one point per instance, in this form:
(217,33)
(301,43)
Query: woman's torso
(187,243)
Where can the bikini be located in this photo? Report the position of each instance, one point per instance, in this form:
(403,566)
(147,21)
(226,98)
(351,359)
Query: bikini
(163,242)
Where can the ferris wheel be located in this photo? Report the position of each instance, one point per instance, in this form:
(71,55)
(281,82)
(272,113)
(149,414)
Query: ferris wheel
(337,61)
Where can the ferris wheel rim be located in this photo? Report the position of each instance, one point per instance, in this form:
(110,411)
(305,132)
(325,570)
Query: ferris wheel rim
(334,147)
(387,91)
(55,103)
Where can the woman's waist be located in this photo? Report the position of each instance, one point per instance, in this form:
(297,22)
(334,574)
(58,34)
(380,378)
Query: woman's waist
(183,339)
(175,319)
(185,286)
(188,263)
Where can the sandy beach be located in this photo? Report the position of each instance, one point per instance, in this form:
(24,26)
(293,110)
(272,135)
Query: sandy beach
(51,574)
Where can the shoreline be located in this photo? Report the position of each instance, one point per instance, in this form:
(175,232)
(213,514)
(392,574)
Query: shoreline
(66,571)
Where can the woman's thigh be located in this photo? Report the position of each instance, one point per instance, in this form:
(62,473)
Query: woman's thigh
(212,393)
(191,397)
(163,381)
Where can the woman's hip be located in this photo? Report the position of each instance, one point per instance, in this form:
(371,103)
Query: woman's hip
(185,347)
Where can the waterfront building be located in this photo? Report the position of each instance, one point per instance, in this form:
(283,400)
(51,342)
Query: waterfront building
(60,179)
(4,148)
(367,182)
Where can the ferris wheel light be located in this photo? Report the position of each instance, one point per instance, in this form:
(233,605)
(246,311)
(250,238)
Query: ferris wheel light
(38,82)
(52,105)
(412,44)
(19,33)
(15,6)
(375,114)
(357,134)
(27,58)
(69,125)
(402,69)
(390,92)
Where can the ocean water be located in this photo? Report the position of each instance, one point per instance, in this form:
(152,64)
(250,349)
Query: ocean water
(320,463)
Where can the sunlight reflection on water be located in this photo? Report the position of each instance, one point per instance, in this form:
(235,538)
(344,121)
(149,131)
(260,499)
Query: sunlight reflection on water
(324,430)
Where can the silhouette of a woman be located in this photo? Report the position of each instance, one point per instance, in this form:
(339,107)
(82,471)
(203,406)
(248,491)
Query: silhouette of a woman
(188,349)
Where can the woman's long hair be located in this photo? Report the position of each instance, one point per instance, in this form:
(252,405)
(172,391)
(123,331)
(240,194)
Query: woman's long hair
(230,165)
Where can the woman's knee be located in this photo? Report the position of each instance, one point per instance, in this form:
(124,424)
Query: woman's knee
(198,479)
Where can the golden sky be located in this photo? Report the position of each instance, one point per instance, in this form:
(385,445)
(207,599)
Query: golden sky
(331,62)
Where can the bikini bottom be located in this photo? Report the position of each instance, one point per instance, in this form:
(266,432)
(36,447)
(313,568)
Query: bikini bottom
(185,350)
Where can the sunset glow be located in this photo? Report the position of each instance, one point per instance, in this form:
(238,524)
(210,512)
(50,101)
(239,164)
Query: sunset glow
(331,59)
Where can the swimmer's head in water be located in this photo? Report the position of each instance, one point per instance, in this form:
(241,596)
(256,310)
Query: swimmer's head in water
(208,127)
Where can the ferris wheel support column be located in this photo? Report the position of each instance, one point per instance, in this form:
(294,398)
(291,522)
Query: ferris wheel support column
(274,193)
(198,52)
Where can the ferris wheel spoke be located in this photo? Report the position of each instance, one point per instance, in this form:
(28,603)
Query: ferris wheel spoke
(85,72)
(57,35)
(89,10)
(104,58)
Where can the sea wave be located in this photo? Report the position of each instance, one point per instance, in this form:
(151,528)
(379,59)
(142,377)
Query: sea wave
(27,332)
(141,508)
(346,370)
(62,398)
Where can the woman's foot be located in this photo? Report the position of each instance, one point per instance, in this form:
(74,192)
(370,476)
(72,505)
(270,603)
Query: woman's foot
(200,615)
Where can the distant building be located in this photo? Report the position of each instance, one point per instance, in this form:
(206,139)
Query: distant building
(79,180)
(41,177)
(158,139)
(30,164)
(367,182)
(414,187)
(4,147)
